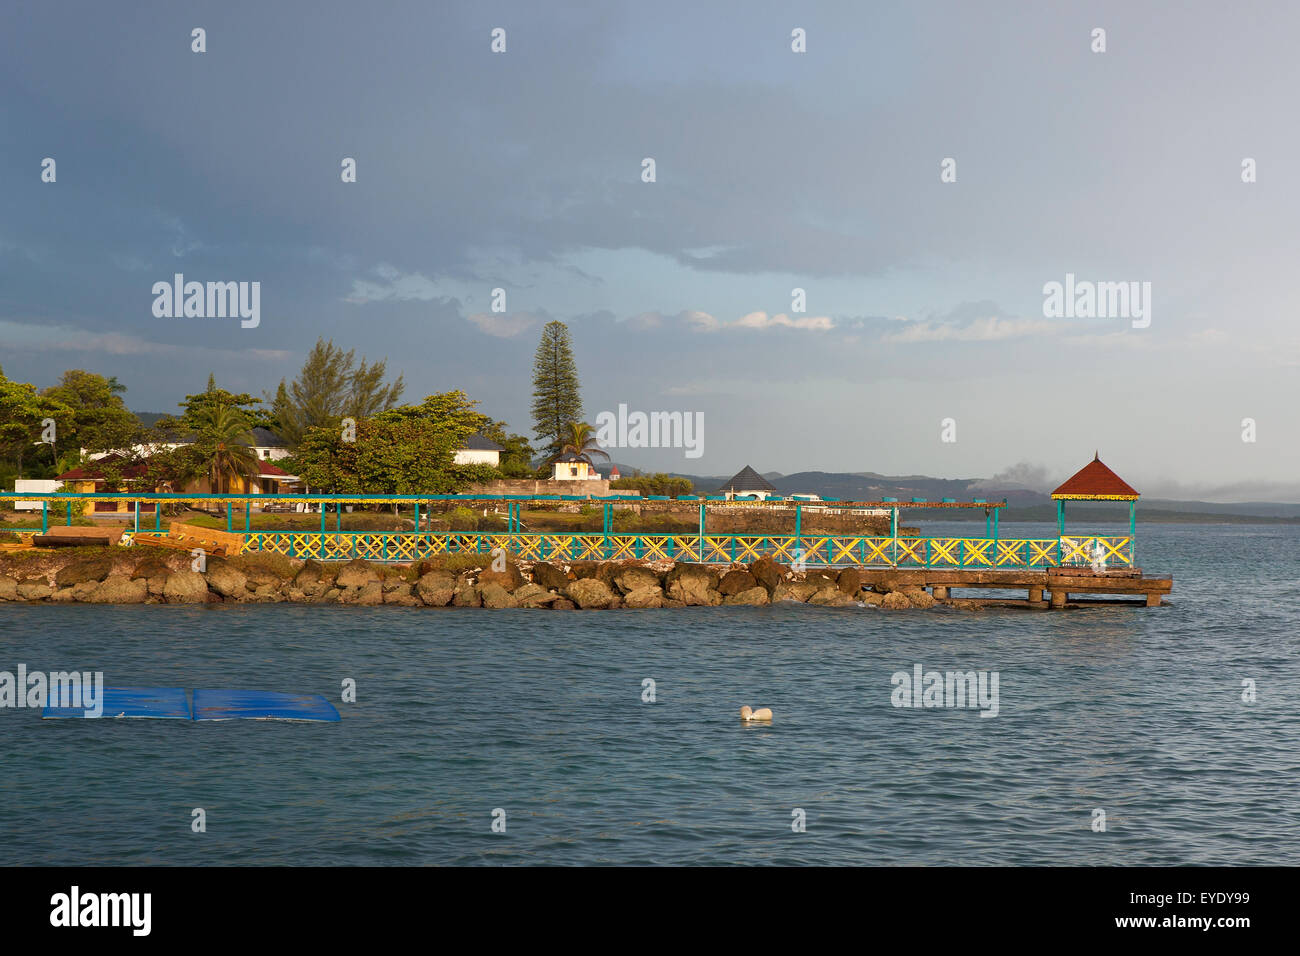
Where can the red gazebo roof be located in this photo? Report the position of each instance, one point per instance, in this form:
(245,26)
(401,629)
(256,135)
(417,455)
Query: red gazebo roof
(1094,481)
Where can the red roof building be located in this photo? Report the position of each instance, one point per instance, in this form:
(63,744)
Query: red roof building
(1095,482)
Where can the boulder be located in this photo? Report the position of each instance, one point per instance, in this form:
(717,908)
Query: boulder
(66,596)
(632,579)
(850,581)
(510,579)
(534,595)
(919,597)
(563,604)
(735,581)
(368,595)
(312,577)
(226,580)
(831,596)
(82,591)
(895,600)
(695,585)
(34,590)
(767,572)
(821,579)
(495,595)
(356,574)
(793,591)
(8,588)
(871,597)
(549,576)
(584,569)
(185,587)
(81,569)
(120,589)
(466,594)
(151,567)
(649,596)
(436,588)
(402,596)
(756,596)
(588,593)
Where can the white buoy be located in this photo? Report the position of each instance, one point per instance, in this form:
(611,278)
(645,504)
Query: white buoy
(748,714)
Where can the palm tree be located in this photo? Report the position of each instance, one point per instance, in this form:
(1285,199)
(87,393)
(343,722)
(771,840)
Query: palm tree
(223,437)
(582,443)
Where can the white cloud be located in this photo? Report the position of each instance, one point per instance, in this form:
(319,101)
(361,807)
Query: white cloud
(503,325)
(61,338)
(990,329)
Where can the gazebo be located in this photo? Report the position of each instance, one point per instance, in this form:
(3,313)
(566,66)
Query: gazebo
(1095,482)
(748,482)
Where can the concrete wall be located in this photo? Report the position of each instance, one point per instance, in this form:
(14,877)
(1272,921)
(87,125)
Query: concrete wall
(532,486)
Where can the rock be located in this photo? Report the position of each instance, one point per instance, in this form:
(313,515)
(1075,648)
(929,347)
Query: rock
(588,593)
(831,596)
(226,580)
(66,596)
(83,591)
(120,589)
(84,569)
(332,594)
(583,569)
(157,585)
(695,585)
(510,579)
(402,596)
(534,595)
(466,594)
(850,581)
(436,588)
(635,579)
(185,587)
(649,596)
(496,596)
(563,604)
(669,602)
(919,597)
(313,578)
(34,590)
(821,579)
(895,600)
(607,571)
(356,574)
(8,588)
(549,576)
(793,591)
(259,578)
(767,572)
(368,595)
(753,597)
(871,597)
(151,567)
(735,581)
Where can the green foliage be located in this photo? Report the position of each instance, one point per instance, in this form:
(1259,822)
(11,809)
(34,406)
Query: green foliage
(582,442)
(331,387)
(556,393)
(99,420)
(22,411)
(657,484)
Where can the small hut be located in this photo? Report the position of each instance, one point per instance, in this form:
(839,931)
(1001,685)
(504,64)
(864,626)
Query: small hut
(748,482)
(1095,482)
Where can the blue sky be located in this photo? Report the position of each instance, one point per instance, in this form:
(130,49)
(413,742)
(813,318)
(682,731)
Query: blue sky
(775,170)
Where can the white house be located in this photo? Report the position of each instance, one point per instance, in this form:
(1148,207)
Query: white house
(479,451)
(572,467)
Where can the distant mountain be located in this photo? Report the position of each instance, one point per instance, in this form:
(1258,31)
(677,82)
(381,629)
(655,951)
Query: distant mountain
(149,418)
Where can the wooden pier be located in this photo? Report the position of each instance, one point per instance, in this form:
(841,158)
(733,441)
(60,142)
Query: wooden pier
(1045,588)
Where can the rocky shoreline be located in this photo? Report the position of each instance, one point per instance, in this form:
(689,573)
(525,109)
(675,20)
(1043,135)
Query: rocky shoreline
(127,576)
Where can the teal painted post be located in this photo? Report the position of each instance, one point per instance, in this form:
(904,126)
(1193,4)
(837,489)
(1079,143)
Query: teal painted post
(228,516)
(798,527)
(1060,516)
(385,540)
(248,516)
(928,542)
(1132,534)
(157,515)
(338,517)
(69,514)
(323,506)
(417,517)
(45,517)
(701,531)
(137,517)
(893,532)
(995,529)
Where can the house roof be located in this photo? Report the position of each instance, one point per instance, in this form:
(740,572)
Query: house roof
(570,456)
(1094,481)
(477,442)
(747,479)
(264,467)
(92,470)
(265,438)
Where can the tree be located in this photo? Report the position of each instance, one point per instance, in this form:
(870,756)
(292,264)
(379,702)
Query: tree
(657,484)
(582,442)
(556,398)
(330,387)
(100,420)
(221,444)
(23,412)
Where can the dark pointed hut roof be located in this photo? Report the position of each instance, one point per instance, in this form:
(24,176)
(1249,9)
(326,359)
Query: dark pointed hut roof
(1094,481)
(747,480)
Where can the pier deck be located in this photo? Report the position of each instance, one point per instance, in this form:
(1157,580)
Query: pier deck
(1047,587)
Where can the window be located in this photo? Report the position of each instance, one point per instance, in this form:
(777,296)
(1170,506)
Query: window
(573,471)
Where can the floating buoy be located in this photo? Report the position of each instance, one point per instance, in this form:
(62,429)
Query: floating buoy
(763,713)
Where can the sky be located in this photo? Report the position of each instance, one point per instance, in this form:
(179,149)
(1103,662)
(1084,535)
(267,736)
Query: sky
(924,305)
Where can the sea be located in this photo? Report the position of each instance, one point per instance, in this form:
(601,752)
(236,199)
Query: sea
(1122,736)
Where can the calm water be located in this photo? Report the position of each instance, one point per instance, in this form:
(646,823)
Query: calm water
(1138,712)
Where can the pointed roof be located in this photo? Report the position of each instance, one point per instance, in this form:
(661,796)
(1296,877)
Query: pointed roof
(1095,482)
(747,479)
